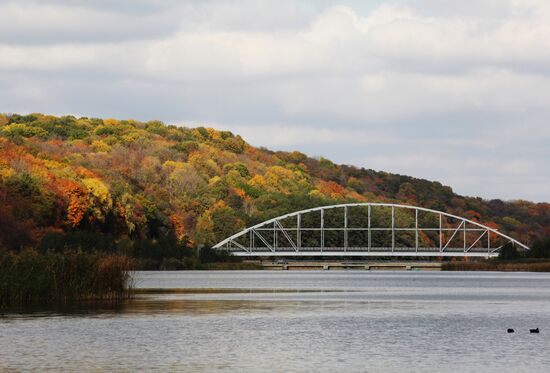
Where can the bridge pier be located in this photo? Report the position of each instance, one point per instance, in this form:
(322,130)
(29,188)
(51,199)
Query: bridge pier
(358,265)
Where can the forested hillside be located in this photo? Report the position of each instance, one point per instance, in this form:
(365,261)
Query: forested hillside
(138,185)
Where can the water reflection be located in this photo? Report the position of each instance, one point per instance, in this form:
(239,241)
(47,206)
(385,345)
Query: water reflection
(165,301)
(193,321)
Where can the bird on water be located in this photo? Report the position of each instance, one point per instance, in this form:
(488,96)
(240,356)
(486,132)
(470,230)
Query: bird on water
(535,331)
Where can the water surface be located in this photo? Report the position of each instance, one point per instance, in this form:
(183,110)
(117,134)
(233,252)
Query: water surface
(325,321)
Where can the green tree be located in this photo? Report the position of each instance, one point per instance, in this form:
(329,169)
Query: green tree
(509,252)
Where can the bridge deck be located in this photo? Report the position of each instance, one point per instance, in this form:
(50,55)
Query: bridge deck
(351,253)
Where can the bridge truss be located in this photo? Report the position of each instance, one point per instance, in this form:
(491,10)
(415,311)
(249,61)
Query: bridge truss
(368,229)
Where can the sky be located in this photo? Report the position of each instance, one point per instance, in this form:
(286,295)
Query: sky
(452,91)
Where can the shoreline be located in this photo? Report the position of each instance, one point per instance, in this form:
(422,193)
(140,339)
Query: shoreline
(450,266)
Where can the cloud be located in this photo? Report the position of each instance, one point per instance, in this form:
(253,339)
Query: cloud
(416,87)
(286,136)
(38,23)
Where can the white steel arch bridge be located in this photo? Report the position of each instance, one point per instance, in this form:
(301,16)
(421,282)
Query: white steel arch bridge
(368,229)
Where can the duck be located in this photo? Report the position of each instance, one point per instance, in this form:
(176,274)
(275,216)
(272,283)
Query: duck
(511,331)
(535,331)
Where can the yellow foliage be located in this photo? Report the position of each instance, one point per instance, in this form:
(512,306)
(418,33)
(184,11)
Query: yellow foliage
(214,134)
(214,180)
(6,172)
(213,166)
(100,197)
(233,177)
(3,120)
(174,164)
(183,179)
(257,181)
(52,165)
(131,137)
(23,130)
(100,146)
(315,193)
(204,164)
(110,122)
(281,179)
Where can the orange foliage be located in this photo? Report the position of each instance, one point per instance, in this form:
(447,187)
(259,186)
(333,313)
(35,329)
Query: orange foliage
(357,196)
(492,224)
(331,189)
(240,192)
(84,172)
(78,201)
(472,215)
(178,226)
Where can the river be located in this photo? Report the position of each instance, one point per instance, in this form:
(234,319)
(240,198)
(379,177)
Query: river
(310,321)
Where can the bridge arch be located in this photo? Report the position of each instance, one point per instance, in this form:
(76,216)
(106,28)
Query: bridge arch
(368,229)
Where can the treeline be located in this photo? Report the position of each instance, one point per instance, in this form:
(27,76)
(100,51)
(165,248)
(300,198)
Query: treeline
(510,259)
(540,249)
(164,253)
(156,191)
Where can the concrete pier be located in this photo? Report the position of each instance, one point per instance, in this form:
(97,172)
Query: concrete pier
(355,265)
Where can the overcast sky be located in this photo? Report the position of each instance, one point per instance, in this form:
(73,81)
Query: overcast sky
(454,91)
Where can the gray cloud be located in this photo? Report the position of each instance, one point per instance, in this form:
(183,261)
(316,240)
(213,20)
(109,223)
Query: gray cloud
(451,91)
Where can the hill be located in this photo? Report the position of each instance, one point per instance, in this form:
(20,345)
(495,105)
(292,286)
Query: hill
(106,183)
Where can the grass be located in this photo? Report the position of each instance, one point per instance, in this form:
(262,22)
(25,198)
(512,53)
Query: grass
(60,277)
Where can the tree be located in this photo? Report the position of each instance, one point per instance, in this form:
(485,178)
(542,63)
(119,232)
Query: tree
(100,202)
(509,252)
(235,144)
(217,223)
(540,249)
(78,202)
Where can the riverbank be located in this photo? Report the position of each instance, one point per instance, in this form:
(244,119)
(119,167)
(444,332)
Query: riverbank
(31,277)
(521,265)
(498,265)
(230,266)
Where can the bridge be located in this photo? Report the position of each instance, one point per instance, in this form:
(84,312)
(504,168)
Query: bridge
(368,230)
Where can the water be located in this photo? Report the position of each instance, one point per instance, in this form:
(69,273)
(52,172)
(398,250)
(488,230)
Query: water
(351,321)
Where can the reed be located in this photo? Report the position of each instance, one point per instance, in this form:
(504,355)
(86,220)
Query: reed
(60,277)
